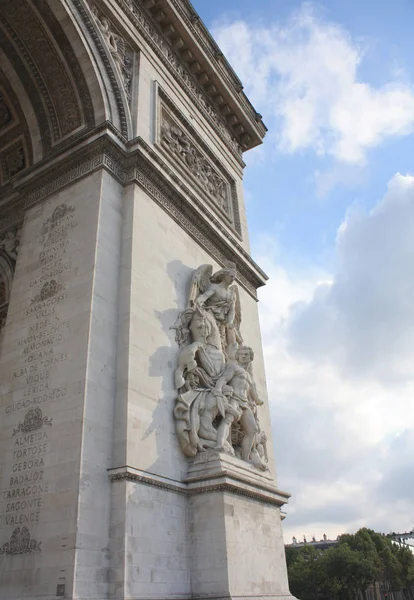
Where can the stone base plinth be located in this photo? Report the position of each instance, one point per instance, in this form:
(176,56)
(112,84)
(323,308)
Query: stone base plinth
(236,543)
(215,536)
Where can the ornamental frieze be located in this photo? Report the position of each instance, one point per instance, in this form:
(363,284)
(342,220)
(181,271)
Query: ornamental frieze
(182,144)
(182,147)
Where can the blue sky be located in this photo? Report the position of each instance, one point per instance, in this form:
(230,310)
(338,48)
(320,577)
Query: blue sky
(330,202)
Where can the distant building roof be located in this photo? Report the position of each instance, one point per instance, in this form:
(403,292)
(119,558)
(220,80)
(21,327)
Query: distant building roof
(320,545)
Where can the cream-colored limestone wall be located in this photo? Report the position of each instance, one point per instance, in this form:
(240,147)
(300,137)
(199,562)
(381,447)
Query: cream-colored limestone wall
(57,388)
(255,548)
(152,535)
(236,548)
(158,261)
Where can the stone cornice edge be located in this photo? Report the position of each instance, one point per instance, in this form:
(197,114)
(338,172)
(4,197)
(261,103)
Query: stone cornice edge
(161,45)
(222,483)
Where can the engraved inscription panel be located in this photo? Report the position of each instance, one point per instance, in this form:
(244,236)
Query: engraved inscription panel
(42,347)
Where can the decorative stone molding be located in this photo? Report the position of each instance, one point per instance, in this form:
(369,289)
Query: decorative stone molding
(206,41)
(195,152)
(87,19)
(13,160)
(33,43)
(183,148)
(137,162)
(138,476)
(225,479)
(53,79)
(117,47)
(181,73)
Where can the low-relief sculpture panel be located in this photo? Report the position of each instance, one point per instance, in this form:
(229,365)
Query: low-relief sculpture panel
(175,139)
(181,143)
(9,247)
(217,401)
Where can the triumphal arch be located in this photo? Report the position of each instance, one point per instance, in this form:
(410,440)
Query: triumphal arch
(136,455)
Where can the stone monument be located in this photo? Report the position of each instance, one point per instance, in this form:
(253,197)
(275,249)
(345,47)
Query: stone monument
(136,457)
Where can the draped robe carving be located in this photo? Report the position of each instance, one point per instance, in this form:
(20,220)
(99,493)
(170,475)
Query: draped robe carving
(216,405)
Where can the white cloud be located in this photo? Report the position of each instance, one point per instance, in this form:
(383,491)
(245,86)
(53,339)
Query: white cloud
(339,349)
(340,174)
(364,321)
(305,74)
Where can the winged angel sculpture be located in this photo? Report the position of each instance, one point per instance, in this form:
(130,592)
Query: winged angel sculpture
(217,400)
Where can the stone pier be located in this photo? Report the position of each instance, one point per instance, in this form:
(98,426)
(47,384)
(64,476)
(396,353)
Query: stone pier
(136,458)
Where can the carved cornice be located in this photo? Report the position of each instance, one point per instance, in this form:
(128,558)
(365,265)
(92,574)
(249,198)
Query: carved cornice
(209,45)
(138,476)
(154,36)
(79,158)
(132,162)
(224,482)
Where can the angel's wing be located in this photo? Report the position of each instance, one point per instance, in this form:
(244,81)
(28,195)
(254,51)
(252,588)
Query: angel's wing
(199,282)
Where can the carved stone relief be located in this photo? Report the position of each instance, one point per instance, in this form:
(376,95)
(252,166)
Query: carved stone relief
(33,421)
(48,290)
(182,147)
(118,49)
(183,143)
(13,160)
(217,402)
(10,242)
(20,542)
(5,113)
(9,246)
(184,75)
